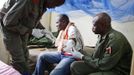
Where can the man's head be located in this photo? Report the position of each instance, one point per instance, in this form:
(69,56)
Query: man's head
(62,22)
(53,3)
(101,23)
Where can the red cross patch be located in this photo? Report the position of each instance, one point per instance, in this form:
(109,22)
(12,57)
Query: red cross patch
(109,50)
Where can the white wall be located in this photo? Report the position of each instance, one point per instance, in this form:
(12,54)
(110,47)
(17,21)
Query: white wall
(46,20)
(127,29)
(2,3)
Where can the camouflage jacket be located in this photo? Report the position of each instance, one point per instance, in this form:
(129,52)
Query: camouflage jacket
(21,16)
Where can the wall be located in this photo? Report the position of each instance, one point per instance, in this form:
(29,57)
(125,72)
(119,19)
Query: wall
(46,20)
(127,29)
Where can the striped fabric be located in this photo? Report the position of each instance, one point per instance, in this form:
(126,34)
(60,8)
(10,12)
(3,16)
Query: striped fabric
(7,70)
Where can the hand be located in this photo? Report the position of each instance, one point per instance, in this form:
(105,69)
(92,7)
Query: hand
(49,35)
(77,54)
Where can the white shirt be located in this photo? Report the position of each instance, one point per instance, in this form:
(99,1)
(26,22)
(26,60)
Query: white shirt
(68,44)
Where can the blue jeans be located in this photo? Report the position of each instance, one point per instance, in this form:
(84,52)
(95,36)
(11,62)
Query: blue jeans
(47,58)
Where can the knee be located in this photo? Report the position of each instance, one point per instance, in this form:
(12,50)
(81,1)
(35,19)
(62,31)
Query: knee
(74,65)
(41,56)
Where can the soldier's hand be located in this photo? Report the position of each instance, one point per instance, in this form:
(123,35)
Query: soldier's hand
(77,54)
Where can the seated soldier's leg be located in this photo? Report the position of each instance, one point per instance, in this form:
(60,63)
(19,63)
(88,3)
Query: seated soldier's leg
(104,73)
(80,68)
(44,60)
(63,68)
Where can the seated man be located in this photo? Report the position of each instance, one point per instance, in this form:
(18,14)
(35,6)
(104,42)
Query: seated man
(7,70)
(68,40)
(112,55)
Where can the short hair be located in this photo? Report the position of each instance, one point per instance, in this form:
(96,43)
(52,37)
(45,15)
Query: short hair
(105,17)
(64,17)
(56,2)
